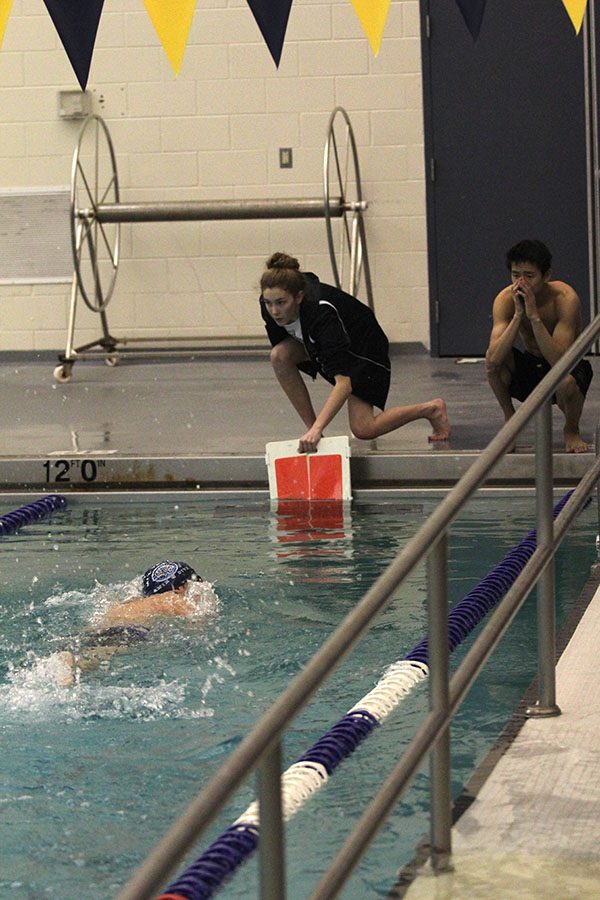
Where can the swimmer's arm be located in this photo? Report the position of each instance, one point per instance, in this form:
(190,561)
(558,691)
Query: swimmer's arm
(336,399)
(507,315)
(175,604)
(143,610)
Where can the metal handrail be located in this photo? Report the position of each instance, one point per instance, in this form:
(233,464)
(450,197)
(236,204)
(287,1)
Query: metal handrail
(262,743)
(466,673)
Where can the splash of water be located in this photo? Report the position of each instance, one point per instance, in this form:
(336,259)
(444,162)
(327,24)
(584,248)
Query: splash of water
(39,692)
(203,598)
(50,686)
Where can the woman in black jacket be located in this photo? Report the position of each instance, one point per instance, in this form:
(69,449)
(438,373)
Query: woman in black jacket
(316,328)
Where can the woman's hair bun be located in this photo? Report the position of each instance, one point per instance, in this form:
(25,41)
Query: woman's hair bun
(282,261)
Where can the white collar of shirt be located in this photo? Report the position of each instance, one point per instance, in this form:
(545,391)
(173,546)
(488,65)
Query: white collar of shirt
(295,330)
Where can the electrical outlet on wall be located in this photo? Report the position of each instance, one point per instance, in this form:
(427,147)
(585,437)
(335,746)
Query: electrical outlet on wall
(285,158)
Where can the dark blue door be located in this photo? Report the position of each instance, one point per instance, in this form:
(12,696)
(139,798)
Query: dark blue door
(505,154)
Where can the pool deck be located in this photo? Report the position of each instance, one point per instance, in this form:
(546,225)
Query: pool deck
(201,424)
(534,828)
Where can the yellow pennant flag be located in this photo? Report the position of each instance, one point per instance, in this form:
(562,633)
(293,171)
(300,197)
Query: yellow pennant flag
(372,15)
(172,20)
(576,10)
(5,6)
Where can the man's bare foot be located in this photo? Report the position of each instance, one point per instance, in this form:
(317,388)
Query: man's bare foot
(440,422)
(574,443)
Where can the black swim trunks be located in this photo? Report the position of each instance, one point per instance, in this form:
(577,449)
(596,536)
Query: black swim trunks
(530,369)
(116,636)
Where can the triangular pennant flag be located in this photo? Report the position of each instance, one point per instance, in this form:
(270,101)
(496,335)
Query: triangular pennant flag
(272,18)
(472,12)
(5,6)
(77,25)
(372,15)
(576,10)
(172,20)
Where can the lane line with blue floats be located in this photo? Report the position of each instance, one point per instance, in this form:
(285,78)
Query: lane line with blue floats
(11,522)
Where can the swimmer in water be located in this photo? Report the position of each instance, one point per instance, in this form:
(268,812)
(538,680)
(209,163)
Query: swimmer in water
(165,594)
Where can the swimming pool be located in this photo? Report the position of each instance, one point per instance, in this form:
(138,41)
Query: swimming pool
(94,774)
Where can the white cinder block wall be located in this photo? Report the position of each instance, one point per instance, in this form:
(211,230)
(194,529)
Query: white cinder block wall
(214,132)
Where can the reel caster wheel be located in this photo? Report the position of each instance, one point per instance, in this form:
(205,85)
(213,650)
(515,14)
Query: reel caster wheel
(63,374)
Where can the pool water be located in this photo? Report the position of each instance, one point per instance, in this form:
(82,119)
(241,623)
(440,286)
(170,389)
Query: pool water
(95,773)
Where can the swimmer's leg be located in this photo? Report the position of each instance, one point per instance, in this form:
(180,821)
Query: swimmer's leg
(65,676)
(72,665)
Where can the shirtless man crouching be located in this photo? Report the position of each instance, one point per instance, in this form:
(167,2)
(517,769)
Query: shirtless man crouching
(546,315)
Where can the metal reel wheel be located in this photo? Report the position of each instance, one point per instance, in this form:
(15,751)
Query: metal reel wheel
(345,233)
(95,245)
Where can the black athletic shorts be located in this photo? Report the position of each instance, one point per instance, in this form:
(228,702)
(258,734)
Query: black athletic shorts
(530,369)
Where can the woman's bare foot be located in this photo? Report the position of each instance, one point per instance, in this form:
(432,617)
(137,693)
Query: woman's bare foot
(574,443)
(440,422)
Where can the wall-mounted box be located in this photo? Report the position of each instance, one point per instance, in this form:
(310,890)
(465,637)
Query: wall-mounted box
(74,104)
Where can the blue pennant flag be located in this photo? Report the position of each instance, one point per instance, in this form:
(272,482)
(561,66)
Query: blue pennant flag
(472,12)
(77,24)
(272,18)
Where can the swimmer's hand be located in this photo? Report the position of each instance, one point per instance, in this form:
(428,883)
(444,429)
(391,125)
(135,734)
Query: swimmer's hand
(308,442)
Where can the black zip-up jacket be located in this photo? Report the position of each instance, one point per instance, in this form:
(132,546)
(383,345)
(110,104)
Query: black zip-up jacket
(342,337)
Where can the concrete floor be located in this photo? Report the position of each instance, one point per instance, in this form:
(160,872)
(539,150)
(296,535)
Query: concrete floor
(207,420)
(533,830)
